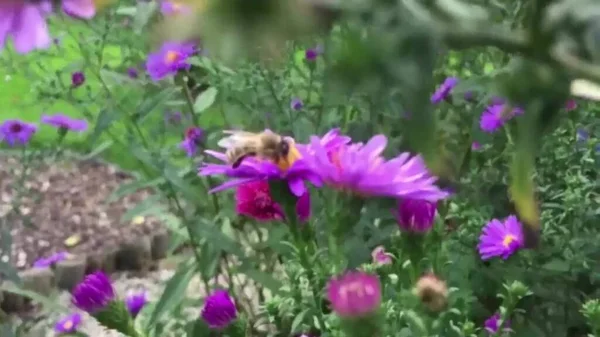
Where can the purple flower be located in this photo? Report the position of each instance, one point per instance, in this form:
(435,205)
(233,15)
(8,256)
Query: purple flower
(94,293)
(50,260)
(380,256)
(84,9)
(582,135)
(172,7)
(331,141)
(132,72)
(475,146)
(361,169)
(135,303)
(77,79)
(68,324)
(501,238)
(492,324)
(296,104)
(354,294)
(173,118)
(571,105)
(311,54)
(191,140)
(491,118)
(219,310)
(415,215)
(293,169)
(469,96)
(495,100)
(169,59)
(14,131)
(26,36)
(444,90)
(65,122)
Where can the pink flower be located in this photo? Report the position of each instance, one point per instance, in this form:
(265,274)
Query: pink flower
(381,257)
(354,294)
(253,199)
(571,105)
(25,22)
(415,215)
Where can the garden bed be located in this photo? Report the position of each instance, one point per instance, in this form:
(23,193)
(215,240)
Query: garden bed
(64,210)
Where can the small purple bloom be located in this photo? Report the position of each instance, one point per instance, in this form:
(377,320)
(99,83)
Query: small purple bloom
(444,90)
(173,118)
(65,123)
(219,310)
(415,215)
(15,131)
(132,72)
(172,7)
(68,324)
(582,135)
(77,79)
(492,324)
(501,238)
(491,119)
(169,59)
(311,54)
(135,302)
(571,105)
(51,260)
(475,146)
(191,140)
(354,294)
(26,37)
(94,293)
(296,104)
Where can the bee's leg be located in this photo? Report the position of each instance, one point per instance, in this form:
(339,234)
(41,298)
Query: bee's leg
(239,161)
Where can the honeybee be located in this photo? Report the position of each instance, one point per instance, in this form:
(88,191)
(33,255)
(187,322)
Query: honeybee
(263,145)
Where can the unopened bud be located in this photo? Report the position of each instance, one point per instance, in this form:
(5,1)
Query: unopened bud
(432,292)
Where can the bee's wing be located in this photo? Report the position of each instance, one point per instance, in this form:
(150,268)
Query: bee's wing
(236,138)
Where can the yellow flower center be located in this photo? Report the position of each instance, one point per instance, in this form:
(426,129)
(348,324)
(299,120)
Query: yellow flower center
(508,239)
(171,56)
(285,163)
(176,6)
(68,325)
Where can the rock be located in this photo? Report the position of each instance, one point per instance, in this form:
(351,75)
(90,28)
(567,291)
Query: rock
(135,254)
(105,261)
(12,302)
(160,245)
(70,272)
(40,280)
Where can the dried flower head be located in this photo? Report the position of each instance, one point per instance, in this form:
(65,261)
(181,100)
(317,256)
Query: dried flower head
(354,294)
(432,292)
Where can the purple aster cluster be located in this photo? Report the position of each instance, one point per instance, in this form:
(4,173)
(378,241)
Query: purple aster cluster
(35,35)
(170,58)
(51,260)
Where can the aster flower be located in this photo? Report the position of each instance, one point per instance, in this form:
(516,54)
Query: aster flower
(501,238)
(173,7)
(68,324)
(444,90)
(135,302)
(15,131)
(492,324)
(354,294)
(415,215)
(491,118)
(51,260)
(331,141)
(191,140)
(30,36)
(475,146)
(84,9)
(254,200)
(311,54)
(296,104)
(65,122)
(292,169)
(77,79)
(169,59)
(219,310)
(132,72)
(381,257)
(361,169)
(571,105)
(94,293)
(432,291)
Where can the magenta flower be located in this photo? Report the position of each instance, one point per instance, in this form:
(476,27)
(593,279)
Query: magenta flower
(68,325)
(25,22)
(415,215)
(354,294)
(172,7)
(84,9)
(492,324)
(296,104)
(444,90)
(332,141)
(190,142)
(254,200)
(51,260)
(361,169)
(77,79)
(65,123)
(381,257)
(14,131)
(303,209)
(571,105)
(219,310)
(169,59)
(94,293)
(311,54)
(292,169)
(135,302)
(501,238)
(475,146)
(491,119)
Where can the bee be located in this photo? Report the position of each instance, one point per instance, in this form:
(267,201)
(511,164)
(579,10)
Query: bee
(264,145)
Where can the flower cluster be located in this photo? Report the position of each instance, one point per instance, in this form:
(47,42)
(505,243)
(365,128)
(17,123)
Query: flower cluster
(17,132)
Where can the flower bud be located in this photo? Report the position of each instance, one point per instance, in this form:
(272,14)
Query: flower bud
(432,292)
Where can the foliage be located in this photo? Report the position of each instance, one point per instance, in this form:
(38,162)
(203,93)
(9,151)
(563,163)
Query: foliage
(374,72)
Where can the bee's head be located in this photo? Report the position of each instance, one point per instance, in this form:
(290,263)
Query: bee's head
(284,147)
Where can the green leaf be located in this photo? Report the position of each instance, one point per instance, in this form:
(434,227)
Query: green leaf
(262,278)
(105,119)
(128,11)
(45,301)
(98,150)
(174,292)
(299,319)
(198,328)
(155,101)
(113,78)
(144,12)
(557,265)
(150,205)
(214,234)
(205,100)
